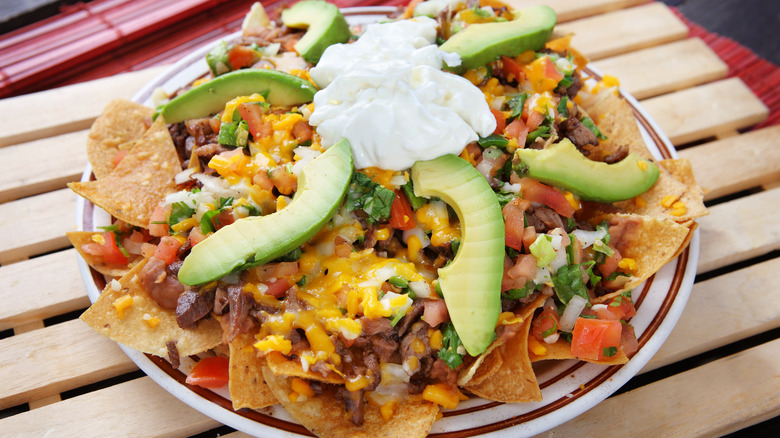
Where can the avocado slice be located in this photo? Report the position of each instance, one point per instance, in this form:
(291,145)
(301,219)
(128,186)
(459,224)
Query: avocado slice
(482,43)
(210,97)
(562,165)
(471,284)
(326,25)
(257,240)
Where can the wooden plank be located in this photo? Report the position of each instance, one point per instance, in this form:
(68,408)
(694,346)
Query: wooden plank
(568,10)
(135,408)
(739,230)
(711,400)
(36,225)
(722,310)
(662,69)
(56,358)
(625,30)
(753,159)
(67,109)
(40,288)
(706,111)
(42,165)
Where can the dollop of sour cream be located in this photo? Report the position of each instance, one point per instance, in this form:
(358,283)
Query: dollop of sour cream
(387,95)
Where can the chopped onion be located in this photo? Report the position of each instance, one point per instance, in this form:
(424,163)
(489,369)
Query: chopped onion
(553,338)
(420,288)
(559,260)
(416,231)
(572,312)
(511,188)
(183,176)
(398,180)
(587,238)
(307,155)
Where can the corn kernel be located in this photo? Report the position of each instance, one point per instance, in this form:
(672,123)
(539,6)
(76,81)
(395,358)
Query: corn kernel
(184,225)
(610,81)
(668,200)
(507,318)
(388,409)
(642,165)
(627,264)
(536,347)
(640,202)
(678,211)
(151,320)
(442,395)
(383,234)
(436,340)
(122,303)
(99,239)
(302,387)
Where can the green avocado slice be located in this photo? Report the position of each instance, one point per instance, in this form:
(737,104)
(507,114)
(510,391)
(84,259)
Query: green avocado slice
(562,165)
(326,26)
(471,284)
(257,240)
(210,97)
(482,43)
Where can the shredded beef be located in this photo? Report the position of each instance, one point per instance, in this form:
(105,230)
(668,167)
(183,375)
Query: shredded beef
(240,305)
(173,354)
(578,133)
(412,315)
(220,301)
(419,331)
(353,403)
(442,372)
(164,288)
(543,219)
(372,364)
(384,346)
(374,326)
(617,156)
(192,307)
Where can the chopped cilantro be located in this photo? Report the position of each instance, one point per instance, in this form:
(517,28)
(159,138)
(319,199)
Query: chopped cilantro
(450,342)
(291,256)
(515,294)
(414,200)
(218,60)
(609,351)
(179,212)
(568,283)
(563,109)
(516,103)
(364,194)
(493,140)
(588,122)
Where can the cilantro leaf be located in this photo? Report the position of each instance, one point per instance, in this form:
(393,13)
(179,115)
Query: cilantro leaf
(588,122)
(414,200)
(516,103)
(450,342)
(179,212)
(493,140)
(609,351)
(568,283)
(364,194)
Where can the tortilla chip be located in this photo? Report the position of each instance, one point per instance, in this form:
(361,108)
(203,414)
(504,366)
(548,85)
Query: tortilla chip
(247,386)
(79,238)
(285,367)
(148,334)
(561,350)
(616,120)
(515,381)
(325,415)
(122,121)
(141,180)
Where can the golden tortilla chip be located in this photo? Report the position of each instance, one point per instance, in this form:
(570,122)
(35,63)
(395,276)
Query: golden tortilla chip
(247,386)
(285,367)
(616,120)
(515,381)
(126,313)
(79,238)
(326,417)
(561,350)
(141,180)
(122,121)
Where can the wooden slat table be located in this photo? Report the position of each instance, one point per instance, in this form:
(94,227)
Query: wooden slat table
(717,373)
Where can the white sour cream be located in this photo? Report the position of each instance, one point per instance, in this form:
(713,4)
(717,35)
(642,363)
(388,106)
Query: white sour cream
(387,95)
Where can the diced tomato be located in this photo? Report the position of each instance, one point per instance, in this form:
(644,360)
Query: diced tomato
(278,287)
(511,68)
(545,324)
(284,181)
(262,181)
(435,312)
(628,341)
(518,131)
(110,251)
(401,216)
(158,223)
(210,372)
(610,264)
(621,307)
(517,274)
(223,219)
(302,131)
(118,156)
(592,338)
(253,116)
(196,236)
(529,237)
(535,191)
(550,70)
(134,242)
(241,56)
(514,222)
(535,118)
(500,121)
(167,249)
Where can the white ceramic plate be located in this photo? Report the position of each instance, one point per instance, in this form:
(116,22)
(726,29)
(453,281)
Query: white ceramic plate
(569,388)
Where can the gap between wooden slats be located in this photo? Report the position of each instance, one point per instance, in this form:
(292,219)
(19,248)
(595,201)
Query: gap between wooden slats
(40,288)
(135,408)
(705,111)
(568,10)
(711,400)
(36,225)
(42,165)
(625,30)
(67,109)
(662,69)
(752,158)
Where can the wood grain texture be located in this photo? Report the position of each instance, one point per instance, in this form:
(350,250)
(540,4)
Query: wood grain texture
(57,358)
(710,400)
(65,109)
(138,408)
(706,111)
(23,172)
(739,230)
(568,10)
(40,288)
(723,310)
(753,159)
(625,30)
(36,225)
(662,69)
